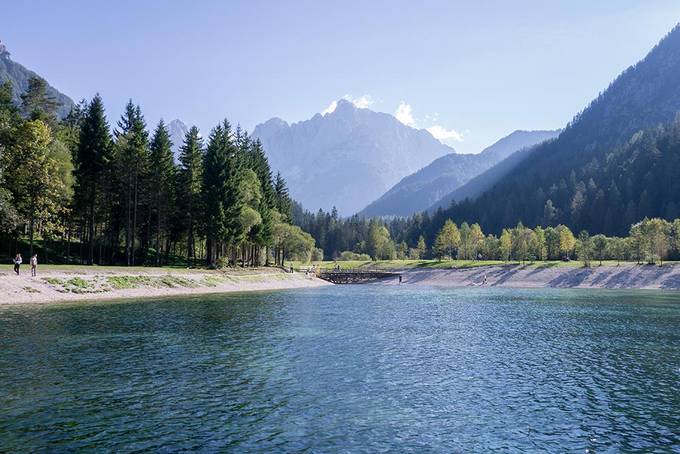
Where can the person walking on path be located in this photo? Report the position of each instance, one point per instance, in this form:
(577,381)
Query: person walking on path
(34,265)
(17,263)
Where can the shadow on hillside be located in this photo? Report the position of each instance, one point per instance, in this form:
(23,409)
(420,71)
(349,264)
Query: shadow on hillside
(499,275)
(629,277)
(413,278)
(641,276)
(571,278)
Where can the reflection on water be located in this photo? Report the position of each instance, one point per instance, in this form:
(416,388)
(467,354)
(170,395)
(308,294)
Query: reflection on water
(358,368)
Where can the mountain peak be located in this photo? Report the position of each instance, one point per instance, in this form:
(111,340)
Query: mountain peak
(177,123)
(320,155)
(276,122)
(19,76)
(345,103)
(177,129)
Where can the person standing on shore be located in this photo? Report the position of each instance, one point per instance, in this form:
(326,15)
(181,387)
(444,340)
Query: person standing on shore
(17,263)
(34,265)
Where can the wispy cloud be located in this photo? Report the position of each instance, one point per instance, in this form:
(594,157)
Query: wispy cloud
(441,133)
(330,109)
(362,102)
(404,113)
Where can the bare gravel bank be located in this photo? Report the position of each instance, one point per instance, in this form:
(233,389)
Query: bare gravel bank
(53,286)
(625,276)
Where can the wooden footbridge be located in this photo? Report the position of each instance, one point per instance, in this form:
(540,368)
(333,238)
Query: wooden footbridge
(355,276)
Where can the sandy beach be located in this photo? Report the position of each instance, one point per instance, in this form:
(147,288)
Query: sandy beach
(97,284)
(85,283)
(625,276)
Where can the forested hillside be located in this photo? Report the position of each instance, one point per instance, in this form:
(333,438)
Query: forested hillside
(19,76)
(601,173)
(428,185)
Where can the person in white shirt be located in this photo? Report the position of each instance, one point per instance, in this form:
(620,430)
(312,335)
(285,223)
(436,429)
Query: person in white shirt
(34,265)
(17,263)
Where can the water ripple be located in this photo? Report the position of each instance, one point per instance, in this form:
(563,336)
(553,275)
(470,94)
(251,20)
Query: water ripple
(356,369)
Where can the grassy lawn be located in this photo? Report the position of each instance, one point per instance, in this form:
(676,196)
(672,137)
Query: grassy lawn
(93,269)
(445,264)
(397,264)
(114,268)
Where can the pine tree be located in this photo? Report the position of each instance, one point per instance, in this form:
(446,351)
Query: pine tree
(190,182)
(215,190)
(234,201)
(260,164)
(93,165)
(132,146)
(163,174)
(283,201)
(37,104)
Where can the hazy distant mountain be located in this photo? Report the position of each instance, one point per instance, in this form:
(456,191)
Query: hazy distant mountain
(482,182)
(419,191)
(345,158)
(19,76)
(602,173)
(177,130)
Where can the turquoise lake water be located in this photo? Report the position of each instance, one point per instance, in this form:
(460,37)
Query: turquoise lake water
(346,368)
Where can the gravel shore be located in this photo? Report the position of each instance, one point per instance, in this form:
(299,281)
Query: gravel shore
(95,284)
(625,276)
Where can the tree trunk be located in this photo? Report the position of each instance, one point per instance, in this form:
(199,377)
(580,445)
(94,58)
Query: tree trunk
(158,228)
(127,222)
(90,260)
(134,217)
(30,233)
(68,246)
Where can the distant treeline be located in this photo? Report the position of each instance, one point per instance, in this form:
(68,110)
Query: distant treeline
(650,240)
(100,197)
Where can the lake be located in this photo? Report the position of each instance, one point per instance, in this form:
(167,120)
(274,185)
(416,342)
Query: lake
(353,368)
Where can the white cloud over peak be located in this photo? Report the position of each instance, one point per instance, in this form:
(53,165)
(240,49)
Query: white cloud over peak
(404,113)
(441,133)
(331,108)
(362,102)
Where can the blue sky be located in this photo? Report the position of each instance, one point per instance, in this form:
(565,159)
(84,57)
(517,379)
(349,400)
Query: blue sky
(474,70)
